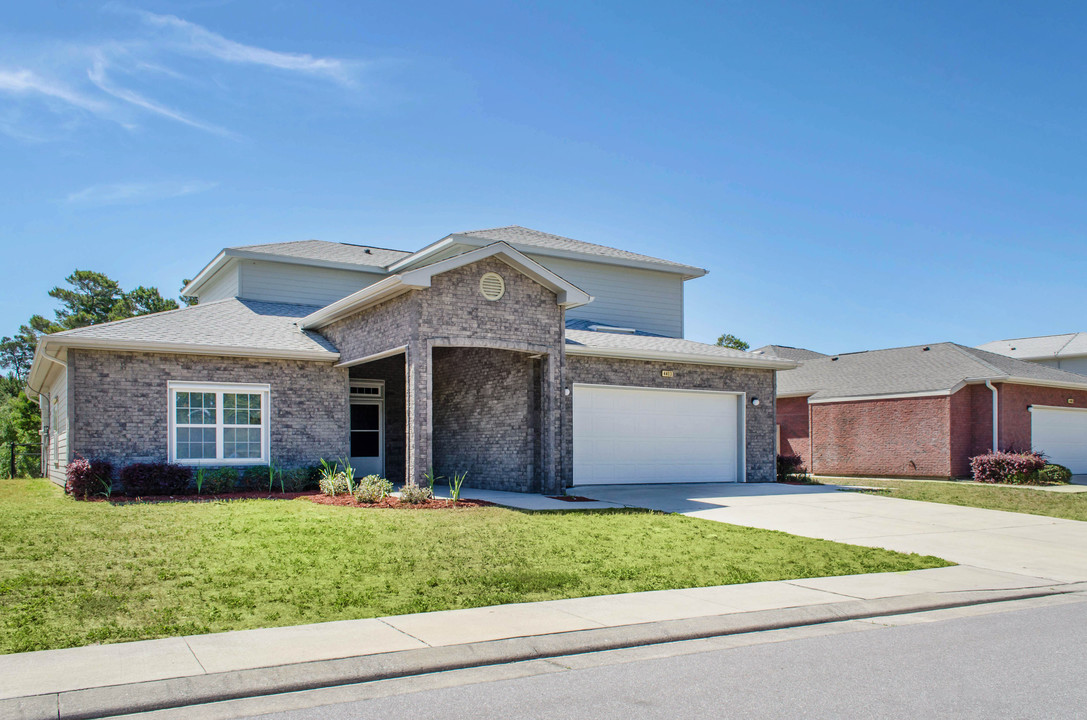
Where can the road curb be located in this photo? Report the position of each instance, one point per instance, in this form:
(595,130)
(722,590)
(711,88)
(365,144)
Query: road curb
(200,689)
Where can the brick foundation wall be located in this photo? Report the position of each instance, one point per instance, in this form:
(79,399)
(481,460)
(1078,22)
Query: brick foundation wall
(119,403)
(792,419)
(908,437)
(760,426)
(392,371)
(483,422)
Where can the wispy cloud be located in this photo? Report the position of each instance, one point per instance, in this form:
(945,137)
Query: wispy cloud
(136,192)
(200,40)
(120,80)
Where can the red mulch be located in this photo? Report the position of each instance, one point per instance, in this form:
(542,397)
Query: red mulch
(248,495)
(572,498)
(346,500)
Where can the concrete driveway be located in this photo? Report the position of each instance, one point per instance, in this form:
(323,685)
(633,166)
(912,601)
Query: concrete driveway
(1032,545)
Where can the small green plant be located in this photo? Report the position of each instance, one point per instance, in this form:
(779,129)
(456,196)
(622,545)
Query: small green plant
(455,486)
(333,480)
(199,480)
(274,471)
(430,477)
(372,489)
(349,474)
(415,495)
(1053,473)
(107,488)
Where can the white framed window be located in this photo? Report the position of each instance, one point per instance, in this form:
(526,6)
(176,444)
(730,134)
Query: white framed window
(219,423)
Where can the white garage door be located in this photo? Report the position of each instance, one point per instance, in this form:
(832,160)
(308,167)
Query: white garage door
(640,435)
(1062,435)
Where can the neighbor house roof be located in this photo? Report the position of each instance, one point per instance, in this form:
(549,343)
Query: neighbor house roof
(541,243)
(937,369)
(1044,347)
(231,327)
(318,253)
(643,346)
(789,353)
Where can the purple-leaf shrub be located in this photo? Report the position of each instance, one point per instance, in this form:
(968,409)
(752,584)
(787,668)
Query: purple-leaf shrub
(1007,467)
(142,479)
(85,478)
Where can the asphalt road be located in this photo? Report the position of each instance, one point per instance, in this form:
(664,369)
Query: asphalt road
(1022,664)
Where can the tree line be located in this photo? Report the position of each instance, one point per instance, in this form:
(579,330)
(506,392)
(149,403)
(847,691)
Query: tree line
(89,298)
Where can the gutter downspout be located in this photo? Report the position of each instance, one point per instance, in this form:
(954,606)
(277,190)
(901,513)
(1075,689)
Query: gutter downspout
(996,415)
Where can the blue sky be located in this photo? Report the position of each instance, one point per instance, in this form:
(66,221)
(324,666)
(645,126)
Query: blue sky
(853,175)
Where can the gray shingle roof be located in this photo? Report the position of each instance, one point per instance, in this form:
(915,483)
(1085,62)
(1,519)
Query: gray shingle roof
(230,323)
(1040,348)
(914,369)
(789,353)
(329,252)
(516,235)
(644,342)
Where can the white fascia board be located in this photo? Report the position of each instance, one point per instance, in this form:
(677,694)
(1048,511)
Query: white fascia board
(175,348)
(205,274)
(806,393)
(888,396)
(569,295)
(687,271)
(380,291)
(1041,383)
(679,357)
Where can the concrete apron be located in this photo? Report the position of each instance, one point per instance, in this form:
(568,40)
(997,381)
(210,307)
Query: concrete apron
(196,684)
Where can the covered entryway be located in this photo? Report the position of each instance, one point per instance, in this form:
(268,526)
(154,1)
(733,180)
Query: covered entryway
(643,435)
(1060,433)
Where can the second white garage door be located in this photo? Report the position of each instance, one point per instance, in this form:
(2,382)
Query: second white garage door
(641,435)
(1062,435)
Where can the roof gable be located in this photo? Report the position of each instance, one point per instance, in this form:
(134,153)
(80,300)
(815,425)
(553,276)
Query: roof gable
(1045,347)
(567,294)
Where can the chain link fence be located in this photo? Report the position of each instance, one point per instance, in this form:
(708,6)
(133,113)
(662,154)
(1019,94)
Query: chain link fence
(22,460)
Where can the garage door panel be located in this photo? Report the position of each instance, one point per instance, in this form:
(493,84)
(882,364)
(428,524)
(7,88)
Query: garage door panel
(632,435)
(1062,435)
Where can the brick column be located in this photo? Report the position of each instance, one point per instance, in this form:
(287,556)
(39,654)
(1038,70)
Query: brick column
(417,367)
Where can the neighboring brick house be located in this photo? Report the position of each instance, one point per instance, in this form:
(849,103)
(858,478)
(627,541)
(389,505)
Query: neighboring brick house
(1064,352)
(530,361)
(925,410)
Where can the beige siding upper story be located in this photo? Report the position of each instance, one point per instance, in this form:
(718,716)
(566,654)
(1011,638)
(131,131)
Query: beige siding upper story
(647,300)
(223,284)
(1072,364)
(301,284)
(57,449)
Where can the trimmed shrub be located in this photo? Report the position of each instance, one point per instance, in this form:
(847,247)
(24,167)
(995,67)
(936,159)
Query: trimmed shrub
(1054,473)
(86,478)
(301,479)
(220,480)
(1016,468)
(372,489)
(415,494)
(334,484)
(790,466)
(155,479)
(254,477)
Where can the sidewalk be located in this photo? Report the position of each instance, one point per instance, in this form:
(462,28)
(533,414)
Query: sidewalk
(175,672)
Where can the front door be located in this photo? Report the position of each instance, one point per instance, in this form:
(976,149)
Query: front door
(367,430)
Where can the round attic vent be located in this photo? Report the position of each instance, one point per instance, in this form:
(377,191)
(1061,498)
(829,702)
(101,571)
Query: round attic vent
(492,286)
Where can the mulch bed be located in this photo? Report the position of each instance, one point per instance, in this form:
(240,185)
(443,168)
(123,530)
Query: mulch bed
(394,503)
(572,498)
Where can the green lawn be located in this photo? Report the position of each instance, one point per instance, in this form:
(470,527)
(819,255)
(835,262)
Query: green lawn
(1072,506)
(74,573)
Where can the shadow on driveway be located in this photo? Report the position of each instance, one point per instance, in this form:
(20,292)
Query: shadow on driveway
(686,498)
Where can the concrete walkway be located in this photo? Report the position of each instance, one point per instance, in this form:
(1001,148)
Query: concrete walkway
(1031,545)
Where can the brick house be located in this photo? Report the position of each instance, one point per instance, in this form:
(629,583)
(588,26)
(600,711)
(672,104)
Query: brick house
(528,360)
(925,410)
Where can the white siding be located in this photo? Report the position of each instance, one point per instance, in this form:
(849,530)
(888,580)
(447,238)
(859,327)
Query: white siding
(1072,364)
(223,284)
(57,460)
(302,284)
(646,300)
